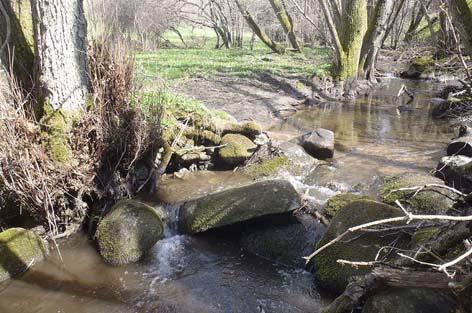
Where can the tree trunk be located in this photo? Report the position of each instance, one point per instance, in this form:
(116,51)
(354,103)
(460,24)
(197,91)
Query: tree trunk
(60,32)
(461,13)
(15,53)
(61,63)
(256,29)
(353,29)
(286,22)
(373,38)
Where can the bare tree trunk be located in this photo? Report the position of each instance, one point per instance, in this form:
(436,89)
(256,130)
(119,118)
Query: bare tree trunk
(373,38)
(61,63)
(256,29)
(61,53)
(286,22)
(461,13)
(15,53)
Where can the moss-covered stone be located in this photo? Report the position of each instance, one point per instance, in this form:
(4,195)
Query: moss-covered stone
(423,235)
(237,149)
(128,231)
(338,201)
(249,129)
(268,167)
(333,276)
(411,301)
(425,201)
(422,64)
(237,205)
(19,249)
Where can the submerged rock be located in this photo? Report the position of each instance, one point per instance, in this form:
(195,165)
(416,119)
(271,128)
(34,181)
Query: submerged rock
(430,200)
(411,301)
(333,276)
(237,150)
(335,203)
(128,231)
(456,172)
(287,243)
(19,249)
(237,205)
(319,143)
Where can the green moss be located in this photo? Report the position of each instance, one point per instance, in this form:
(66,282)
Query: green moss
(236,150)
(268,167)
(422,64)
(424,235)
(336,202)
(333,276)
(237,205)
(19,249)
(424,201)
(126,233)
(56,127)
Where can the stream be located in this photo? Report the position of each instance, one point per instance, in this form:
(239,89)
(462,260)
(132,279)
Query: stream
(377,135)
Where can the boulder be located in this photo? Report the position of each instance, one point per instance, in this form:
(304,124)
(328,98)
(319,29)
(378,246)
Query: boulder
(429,201)
(19,250)
(128,231)
(287,243)
(318,143)
(456,171)
(411,301)
(335,203)
(333,276)
(301,163)
(249,129)
(237,205)
(237,149)
(460,146)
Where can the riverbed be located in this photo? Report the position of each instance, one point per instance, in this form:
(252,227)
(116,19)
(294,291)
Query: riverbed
(376,135)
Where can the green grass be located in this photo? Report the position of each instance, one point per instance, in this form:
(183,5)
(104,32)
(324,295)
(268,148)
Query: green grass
(171,64)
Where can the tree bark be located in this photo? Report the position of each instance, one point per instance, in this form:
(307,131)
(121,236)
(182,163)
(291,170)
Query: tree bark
(373,39)
(256,29)
(15,54)
(286,22)
(60,32)
(461,13)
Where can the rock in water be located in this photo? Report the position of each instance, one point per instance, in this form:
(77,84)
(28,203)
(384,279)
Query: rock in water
(460,146)
(128,231)
(456,172)
(237,205)
(319,143)
(411,301)
(237,149)
(333,276)
(427,201)
(19,249)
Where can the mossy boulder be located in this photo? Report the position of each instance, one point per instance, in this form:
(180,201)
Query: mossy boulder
(267,168)
(335,203)
(19,249)
(428,201)
(128,232)
(333,276)
(237,149)
(237,205)
(300,162)
(286,244)
(423,235)
(249,129)
(411,301)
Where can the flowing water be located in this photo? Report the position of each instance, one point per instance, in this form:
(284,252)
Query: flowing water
(375,136)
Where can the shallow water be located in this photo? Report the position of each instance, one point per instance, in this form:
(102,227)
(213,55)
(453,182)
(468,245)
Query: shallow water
(208,274)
